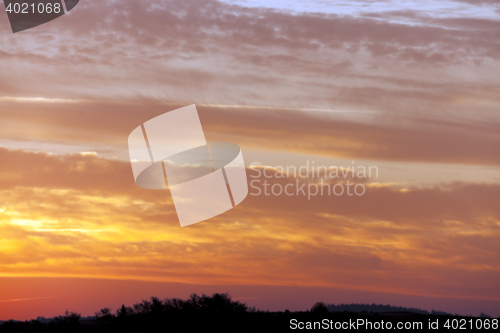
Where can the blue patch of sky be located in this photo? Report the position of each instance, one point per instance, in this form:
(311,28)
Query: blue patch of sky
(434,8)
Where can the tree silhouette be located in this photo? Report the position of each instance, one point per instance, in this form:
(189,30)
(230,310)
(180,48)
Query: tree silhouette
(71,317)
(104,315)
(124,311)
(319,307)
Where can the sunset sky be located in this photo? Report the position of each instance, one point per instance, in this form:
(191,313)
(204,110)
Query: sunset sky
(410,87)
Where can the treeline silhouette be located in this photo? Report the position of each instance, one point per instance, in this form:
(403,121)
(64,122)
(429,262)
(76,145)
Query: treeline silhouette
(196,313)
(380,308)
(217,303)
(218,312)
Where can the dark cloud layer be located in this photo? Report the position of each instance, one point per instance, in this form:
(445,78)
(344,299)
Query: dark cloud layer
(106,126)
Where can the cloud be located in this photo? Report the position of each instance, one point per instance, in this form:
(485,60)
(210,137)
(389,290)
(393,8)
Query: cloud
(83,216)
(104,128)
(479,2)
(423,92)
(215,53)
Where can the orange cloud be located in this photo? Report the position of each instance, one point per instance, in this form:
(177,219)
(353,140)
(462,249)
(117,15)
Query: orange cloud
(83,216)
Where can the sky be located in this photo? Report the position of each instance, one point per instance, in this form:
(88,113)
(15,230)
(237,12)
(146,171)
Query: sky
(410,88)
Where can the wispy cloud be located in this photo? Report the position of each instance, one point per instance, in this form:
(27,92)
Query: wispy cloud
(26,299)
